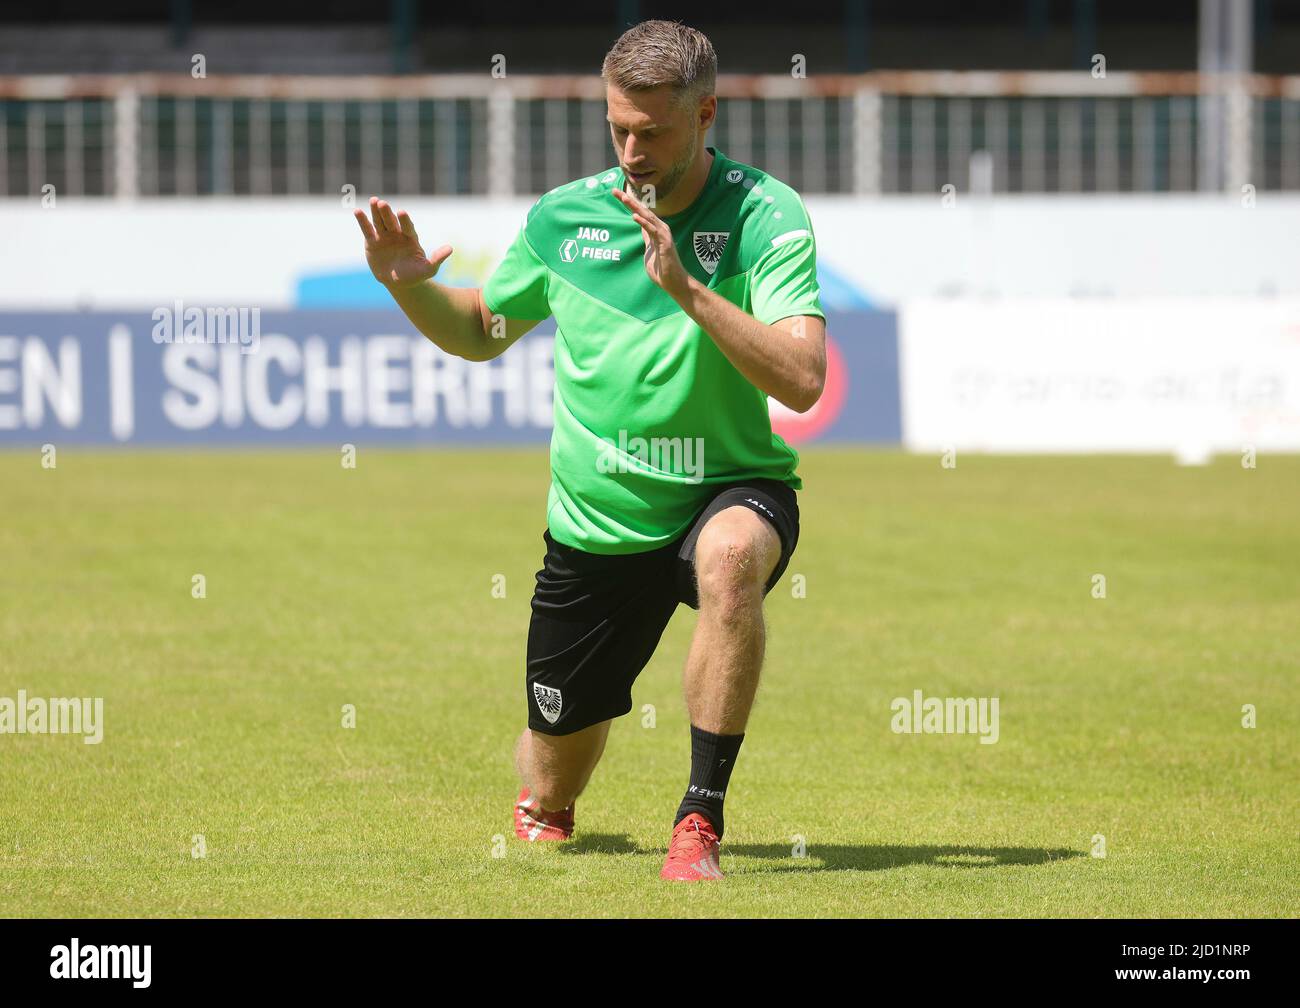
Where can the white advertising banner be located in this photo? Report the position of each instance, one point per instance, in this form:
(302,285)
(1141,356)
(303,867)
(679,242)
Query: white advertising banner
(306,252)
(1189,376)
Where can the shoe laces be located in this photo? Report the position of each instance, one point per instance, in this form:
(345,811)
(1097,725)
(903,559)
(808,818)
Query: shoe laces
(533,809)
(696,838)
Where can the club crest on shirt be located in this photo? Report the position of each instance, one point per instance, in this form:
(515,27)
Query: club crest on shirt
(708,248)
(548,701)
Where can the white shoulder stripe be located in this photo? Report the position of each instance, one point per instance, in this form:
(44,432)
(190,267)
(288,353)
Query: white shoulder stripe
(789,235)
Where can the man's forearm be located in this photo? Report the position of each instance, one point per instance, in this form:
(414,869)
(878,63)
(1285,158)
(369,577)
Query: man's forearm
(782,365)
(447,316)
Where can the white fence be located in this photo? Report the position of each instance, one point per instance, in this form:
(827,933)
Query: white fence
(174,135)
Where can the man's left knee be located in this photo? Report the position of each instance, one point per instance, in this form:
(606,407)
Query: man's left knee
(735,555)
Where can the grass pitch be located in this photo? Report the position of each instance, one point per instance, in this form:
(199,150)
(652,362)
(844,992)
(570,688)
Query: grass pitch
(1119,717)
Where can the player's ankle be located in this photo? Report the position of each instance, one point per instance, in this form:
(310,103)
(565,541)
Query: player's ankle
(551,803)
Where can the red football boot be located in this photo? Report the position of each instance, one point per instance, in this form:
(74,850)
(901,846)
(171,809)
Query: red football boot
(532,822)
(692,852)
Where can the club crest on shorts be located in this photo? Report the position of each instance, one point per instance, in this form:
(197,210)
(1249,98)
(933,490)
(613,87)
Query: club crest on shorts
(549,701)
(709,246)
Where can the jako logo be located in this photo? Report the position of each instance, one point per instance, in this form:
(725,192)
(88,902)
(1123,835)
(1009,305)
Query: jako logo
(946,716)
(102,962)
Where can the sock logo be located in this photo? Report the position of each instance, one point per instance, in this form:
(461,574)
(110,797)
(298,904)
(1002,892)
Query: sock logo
(549,702)
(705,792)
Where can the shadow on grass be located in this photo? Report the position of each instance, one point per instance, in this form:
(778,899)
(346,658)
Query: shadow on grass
(880,857)
(845,857)
(601,843)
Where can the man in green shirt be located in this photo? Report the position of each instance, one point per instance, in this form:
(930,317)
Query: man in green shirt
(684,289)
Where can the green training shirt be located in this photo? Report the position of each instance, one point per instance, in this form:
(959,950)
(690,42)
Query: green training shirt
(649,413)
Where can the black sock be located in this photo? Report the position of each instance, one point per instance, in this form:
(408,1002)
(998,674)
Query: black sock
(712,757)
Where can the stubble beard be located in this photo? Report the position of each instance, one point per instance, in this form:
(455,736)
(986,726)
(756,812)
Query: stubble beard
(669,182)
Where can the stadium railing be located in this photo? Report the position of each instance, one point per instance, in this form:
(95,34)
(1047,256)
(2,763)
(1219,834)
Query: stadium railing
(149,135)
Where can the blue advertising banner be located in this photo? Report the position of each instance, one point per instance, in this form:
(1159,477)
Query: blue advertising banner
(184,375)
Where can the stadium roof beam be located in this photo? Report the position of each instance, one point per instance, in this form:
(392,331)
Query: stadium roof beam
(1045,83)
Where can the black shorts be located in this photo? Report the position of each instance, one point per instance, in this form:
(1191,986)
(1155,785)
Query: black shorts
(597,619)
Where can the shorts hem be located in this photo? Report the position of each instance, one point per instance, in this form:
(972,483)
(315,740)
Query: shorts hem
(546,728)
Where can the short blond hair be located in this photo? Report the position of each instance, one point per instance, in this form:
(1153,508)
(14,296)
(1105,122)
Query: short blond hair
(654,53)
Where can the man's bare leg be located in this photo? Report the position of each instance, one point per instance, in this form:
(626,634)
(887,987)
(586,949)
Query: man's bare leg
(734,556)
(556,768)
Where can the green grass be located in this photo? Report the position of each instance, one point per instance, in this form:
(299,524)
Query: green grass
(1119,716)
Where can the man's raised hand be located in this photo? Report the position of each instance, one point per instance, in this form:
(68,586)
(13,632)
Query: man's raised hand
(662,263)
(393,249)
